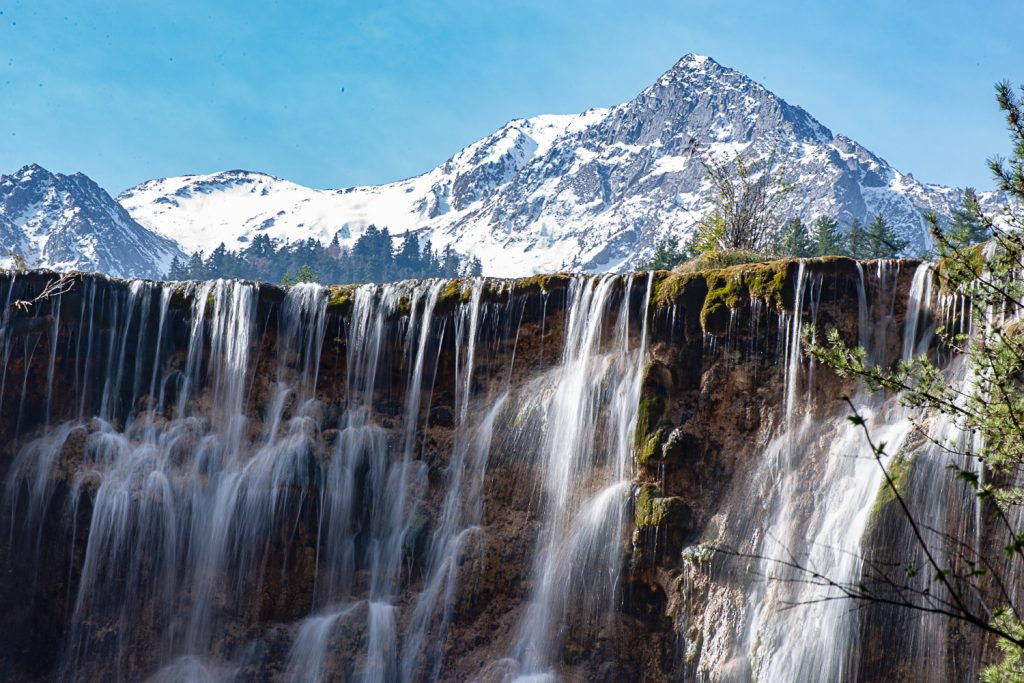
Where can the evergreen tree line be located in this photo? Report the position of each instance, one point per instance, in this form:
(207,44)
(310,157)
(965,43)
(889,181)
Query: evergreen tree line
(875,240)
(823,237)
(374,257)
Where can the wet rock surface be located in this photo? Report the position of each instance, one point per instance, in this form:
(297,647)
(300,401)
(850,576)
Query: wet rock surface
(711,399)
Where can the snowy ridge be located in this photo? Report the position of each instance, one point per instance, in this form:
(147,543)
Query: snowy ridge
(585,192)
(593,192)
(69,222)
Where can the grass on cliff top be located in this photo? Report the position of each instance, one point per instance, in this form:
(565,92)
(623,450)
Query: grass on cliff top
(714,260)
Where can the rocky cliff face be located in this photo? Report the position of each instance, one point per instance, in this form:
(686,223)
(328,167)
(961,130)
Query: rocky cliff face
(474,479)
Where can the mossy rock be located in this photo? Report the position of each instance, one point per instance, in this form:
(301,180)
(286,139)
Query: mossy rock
(180,300)
(542,284)
(650,449)
(676,445)
(404,305)
(734,287)
(669,287)
(899,467)
(651,510)
(341,297)
(455,291)
(684,293)
(716,292)
(648,415)
(725,289)
(657,379)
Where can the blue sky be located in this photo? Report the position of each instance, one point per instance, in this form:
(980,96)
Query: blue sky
(332,94)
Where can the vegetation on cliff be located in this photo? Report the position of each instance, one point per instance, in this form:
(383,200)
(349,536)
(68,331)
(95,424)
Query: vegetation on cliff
(744,224)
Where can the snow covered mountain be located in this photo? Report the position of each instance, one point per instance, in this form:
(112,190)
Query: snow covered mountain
(594,191)
(69,222)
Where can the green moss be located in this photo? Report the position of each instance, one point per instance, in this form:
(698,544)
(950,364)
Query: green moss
(668,287)
(768,282)
(733,287)
(340,295)
(651,510)
(450,293)
(724,294)
(643,504)
(179,298)
(648,414)
(899,472)
(454,292)
(493,288)
(741,278)
(650,449)
(542,283)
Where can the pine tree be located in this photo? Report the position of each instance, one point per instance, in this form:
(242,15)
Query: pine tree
(668,253)
(881,240)
(372,259)
(306,274)
(409,259)
(372,256)
(826,239)
(219,263)
(176,271)
(334,248)
(966,226)
(856,241)
(474,267)
(449,262)
(196,267)
(794,240)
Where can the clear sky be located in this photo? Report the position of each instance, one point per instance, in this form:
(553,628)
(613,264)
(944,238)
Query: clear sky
(331,94)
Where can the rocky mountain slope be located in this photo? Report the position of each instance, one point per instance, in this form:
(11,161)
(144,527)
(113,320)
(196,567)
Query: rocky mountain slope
(594,191)
(68,221)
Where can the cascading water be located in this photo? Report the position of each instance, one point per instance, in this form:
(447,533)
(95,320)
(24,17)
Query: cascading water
(591,415)
(435,480)
(821,515)
(204,493)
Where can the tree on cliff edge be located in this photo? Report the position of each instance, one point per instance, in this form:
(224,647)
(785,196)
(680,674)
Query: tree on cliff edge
(747,190)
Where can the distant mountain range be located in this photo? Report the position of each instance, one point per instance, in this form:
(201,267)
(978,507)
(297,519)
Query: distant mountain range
(585,192)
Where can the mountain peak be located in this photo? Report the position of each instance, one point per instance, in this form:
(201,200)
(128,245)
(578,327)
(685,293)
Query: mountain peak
(595,191)
(693,65)
(30,172)
(700,73)
(693,61)
(69,222)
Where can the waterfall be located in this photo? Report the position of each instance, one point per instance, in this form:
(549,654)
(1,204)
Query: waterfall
(200,482)
(435,480)
(579,547)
